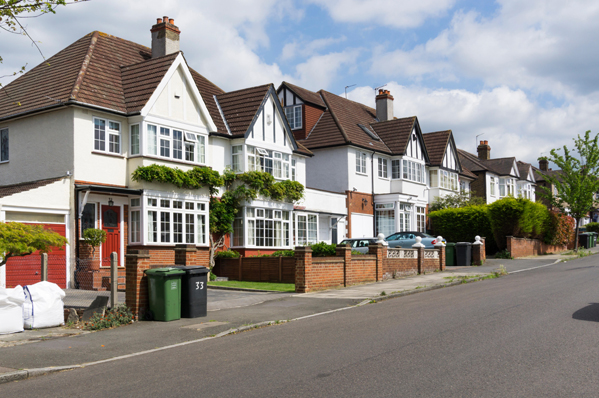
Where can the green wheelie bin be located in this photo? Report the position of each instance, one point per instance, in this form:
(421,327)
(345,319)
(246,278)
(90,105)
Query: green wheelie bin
(164,289)
(450,254)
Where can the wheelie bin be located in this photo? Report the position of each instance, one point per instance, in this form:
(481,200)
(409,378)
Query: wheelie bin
(450,254)
(463,253)
(164,289)
(194,297)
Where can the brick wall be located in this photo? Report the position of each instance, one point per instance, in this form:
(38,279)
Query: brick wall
(479,186)
(310,116)
(520,247)
(257,269)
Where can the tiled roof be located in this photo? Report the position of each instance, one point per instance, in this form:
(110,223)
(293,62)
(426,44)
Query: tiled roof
(395,133)
(524,169)
(240,107)
(8,190)
(540,175)
(471,162)
(100,70)
(467,173)
(340,124)
(306,95)
(501,166)
(436,145)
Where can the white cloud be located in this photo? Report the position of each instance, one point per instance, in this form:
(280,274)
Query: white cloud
(511,121)
(539,45)
(307,49)
(320,70)
(397,14)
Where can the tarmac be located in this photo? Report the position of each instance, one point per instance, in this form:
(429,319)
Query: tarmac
(36,352)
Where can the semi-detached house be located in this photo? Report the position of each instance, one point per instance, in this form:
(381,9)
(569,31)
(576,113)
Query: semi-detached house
(74,128)
(380,163)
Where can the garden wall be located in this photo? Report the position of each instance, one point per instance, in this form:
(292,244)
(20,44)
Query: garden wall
(257,269)
(521,247)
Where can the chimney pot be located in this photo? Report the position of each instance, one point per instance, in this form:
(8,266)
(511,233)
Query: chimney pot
(384,106)
(165,19)
(544,164)
(158,20)
(165,37)
(484,150)
(171,21)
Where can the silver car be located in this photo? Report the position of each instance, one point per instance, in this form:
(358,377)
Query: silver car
(359,244)
(408,238)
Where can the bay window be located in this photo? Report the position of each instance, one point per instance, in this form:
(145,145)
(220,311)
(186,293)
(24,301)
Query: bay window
(405,217)
(175,144)
(236,158)
(448,180)
(306,229)
(413,171)
(134,138)
(396,168)
(262,228)
(172,221)
(385,218)
(383,168)
(421,219)
(276,163)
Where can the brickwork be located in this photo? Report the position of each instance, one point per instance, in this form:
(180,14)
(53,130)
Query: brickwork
(310,116)
(479,186)
(355,204)
(136,262)
(303,268)
(478,253)
(257,269)
(520,247)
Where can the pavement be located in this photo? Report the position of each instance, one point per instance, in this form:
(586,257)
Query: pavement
(42,351)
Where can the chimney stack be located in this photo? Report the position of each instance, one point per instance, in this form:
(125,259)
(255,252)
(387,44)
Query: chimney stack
(384,105)
(484,150)
(165,37)
(543,164)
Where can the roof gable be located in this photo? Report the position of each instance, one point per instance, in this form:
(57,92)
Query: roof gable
(305,95)
(442,150)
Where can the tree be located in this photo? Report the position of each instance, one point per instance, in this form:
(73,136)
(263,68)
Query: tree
(94,238)
(12,11)
(577,180)
(17,240)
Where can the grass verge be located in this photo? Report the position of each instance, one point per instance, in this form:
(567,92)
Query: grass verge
(275,287)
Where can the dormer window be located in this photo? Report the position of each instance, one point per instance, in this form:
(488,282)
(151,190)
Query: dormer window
(294,116)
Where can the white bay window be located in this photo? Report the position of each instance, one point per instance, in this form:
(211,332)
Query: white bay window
(175,144)
(172,221)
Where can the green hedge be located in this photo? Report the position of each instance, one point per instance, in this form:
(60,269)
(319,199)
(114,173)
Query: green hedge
(463,224)
(592,227)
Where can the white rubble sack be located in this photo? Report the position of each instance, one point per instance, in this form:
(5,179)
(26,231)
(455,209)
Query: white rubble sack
(11,310)
(43,305)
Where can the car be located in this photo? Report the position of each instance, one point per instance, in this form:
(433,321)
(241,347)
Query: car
(359,244)
(407,238)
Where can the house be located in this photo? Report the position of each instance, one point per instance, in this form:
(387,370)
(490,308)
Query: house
(498,178)
(379,162)
(74,128)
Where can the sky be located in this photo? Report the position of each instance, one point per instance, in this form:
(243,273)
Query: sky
(519,74)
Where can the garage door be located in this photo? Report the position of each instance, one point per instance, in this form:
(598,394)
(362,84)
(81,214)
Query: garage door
(361,225)
(27,270)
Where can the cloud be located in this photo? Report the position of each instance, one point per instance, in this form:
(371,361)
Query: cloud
(393,13)
(307,49)
(512,122)
(542,46)
(320,70)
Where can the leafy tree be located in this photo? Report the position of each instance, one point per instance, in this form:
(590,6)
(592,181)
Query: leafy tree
(456,200)
(17,240)
(577,180)
(94,237)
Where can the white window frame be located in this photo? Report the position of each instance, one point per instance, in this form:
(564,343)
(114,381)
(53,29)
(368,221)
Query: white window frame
(108,133)
(282,164)
(292,111)
(131,140)
(237,158)
(247,221)
(188,139)
(361,162)
(383,168)
(308,239)
(396,169)
(492,186)
(413,171)
(135,207)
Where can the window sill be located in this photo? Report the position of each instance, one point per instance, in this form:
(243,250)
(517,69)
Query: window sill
(114,155)
(173,160)
(361,174)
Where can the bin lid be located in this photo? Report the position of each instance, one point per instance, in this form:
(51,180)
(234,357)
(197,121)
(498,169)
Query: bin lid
(192,269)
(450,244)
(168,271)
(463,244)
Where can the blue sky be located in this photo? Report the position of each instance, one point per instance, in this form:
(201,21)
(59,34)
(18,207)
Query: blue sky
(521,73)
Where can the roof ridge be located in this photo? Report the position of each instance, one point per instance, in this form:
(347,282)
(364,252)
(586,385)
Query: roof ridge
(84,65)
(335,119)
(150,59)
(354,102)
(246,89)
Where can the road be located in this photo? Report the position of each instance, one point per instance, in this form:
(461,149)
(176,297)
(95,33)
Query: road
(533,333)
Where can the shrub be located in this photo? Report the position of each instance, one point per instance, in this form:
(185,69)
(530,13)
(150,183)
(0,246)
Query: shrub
(284,253)
(227,254)
(463,224)
(94,237)
(592,227)
(520,217)
(323,249)
(559,229)
(117,316)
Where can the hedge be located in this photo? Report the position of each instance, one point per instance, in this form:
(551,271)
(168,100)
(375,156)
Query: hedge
(520,217)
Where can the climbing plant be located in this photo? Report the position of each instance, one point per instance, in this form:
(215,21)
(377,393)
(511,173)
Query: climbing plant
(227,191)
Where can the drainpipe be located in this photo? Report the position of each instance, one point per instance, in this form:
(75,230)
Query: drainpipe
(372,183)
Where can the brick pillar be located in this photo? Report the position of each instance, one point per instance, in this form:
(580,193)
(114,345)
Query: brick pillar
(478,251)
(303,267)
(187,255)
(344,251)
(509,244)
(380,251)
(420,259)
(442,258)
(136,293)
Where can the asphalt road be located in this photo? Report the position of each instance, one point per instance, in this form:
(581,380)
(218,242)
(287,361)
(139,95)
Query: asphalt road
(530,334)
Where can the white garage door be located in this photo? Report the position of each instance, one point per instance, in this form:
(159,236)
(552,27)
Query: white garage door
(361,225)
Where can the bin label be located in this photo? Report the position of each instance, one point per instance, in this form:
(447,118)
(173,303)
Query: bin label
(199,285)
(173,285)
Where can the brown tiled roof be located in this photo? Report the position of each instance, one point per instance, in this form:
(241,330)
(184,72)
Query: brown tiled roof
(467,173)
(8,190)
(471,162)
(395,133)
(100,70)
(340,124)
(306,95)
(303,150)
(501,166)
(240,107)
(436,145)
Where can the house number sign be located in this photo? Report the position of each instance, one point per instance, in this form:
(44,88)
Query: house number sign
(199,285)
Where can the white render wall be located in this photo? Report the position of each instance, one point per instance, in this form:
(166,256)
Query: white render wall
(40,147)
(97,167)
(269,135)
(52,196)
(362,182)
(328,169)
(324,202)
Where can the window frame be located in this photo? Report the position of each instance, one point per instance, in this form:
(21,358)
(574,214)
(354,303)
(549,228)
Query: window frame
(4,148)
(131,152)
(250,221)
(108,133)
(383,168)
(294,124)
(361,163)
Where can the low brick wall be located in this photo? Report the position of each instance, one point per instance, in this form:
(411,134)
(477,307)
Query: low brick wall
(521,247)
(257,269)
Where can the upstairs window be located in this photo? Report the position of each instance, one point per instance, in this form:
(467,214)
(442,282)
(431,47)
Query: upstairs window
(107,136)
(360,162)
(276,163)
(236,157)
(448,180)
(4,145)
(294,116)
(413,171)
(176,144)
(135,139)
(383,168)
(492,187)
(396,169)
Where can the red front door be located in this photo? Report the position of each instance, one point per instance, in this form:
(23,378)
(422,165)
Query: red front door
(111,223)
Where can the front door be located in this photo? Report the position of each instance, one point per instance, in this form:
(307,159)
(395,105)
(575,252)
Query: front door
(111,223)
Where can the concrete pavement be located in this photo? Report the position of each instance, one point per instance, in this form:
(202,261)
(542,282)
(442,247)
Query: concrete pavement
(228,310)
